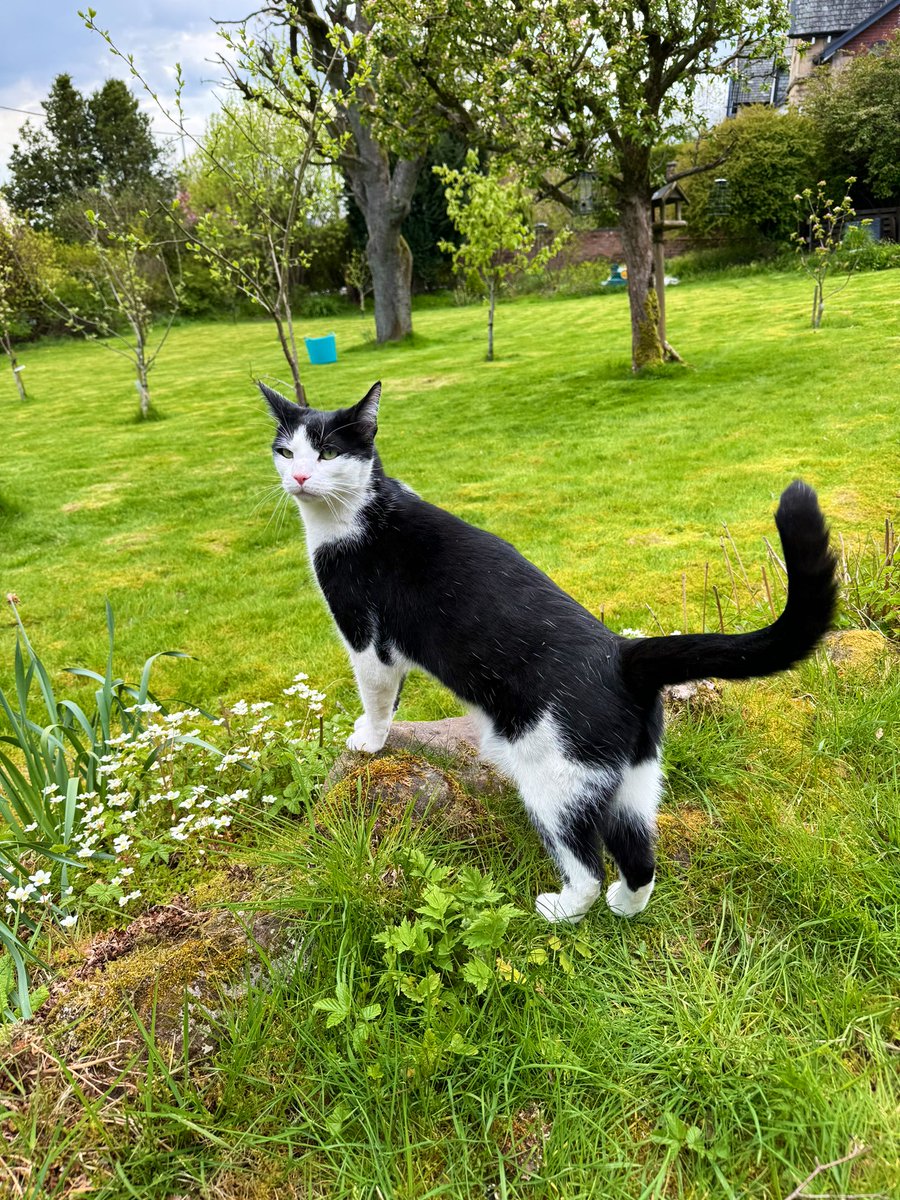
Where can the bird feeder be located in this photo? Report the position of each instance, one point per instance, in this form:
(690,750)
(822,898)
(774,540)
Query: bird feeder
(616,278)
(666,204)
(584,192)
(719,201)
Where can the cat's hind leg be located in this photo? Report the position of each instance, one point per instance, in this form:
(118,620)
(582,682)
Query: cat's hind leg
(573,841)
(565,800)
(629,832)
(379,686)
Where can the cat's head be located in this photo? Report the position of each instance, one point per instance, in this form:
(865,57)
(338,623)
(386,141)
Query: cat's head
(326,456)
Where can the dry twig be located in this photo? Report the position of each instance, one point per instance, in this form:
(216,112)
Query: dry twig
(799,1194)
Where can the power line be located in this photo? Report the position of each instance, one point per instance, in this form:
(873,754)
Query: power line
(26,112)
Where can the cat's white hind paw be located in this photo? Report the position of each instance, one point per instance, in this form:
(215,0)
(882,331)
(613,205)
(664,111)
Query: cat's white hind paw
(364,737)
(553,907)
(626,903)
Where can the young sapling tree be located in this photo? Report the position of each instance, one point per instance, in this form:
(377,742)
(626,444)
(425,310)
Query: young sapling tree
(13,279)
(489,212)
(130,285)
(358,277)
(819,246)
(266,156)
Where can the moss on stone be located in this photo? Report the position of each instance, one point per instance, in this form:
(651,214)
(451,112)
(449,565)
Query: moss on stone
(397,783)
(153,979)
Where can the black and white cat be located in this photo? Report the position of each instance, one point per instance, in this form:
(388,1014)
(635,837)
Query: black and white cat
(569,710)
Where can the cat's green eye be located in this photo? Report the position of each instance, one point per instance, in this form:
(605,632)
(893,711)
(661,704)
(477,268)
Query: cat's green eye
(328,454)
(285,452)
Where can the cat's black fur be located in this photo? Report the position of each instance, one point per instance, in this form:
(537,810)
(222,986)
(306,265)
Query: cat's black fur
(469,609)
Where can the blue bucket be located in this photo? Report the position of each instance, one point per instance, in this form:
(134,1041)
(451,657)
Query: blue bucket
(322,349)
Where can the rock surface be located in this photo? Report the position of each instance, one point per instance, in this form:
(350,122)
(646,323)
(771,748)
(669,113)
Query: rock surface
(855,647)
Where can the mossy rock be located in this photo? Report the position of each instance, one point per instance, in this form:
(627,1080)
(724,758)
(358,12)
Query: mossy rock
(396,786)
(857,649)
(170,956)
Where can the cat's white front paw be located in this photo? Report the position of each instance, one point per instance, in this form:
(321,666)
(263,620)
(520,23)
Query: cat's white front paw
(553,907)
(626,903)
(364,737)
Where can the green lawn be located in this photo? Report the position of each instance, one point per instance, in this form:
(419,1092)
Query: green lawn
(747,1024)
(613,485)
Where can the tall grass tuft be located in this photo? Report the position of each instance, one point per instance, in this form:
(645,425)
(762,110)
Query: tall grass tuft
(50,762)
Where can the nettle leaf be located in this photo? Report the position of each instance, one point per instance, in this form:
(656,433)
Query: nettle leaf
(437,902)
(405,938)
(337,1006)
(694,1139)
(459,1045)
(419,865)
(479,974)
(443,951)
(422,991)
(337,1118)
(477,888)
(488,929)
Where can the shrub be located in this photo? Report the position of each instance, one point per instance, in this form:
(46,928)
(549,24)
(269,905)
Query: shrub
(859,250)
(770,157)
(745,258)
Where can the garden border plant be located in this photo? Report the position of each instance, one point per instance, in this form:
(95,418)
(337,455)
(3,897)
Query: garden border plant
(112,789)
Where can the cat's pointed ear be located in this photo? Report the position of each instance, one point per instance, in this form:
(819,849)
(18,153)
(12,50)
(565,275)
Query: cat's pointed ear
(366,412)
(285,411)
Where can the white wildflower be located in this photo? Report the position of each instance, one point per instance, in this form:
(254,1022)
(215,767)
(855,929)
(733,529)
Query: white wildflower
(69,921)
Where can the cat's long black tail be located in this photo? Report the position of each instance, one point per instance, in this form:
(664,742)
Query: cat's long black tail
(650,663)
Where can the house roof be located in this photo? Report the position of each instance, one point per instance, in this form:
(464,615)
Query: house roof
(839,43)
(809,17)
(757,81)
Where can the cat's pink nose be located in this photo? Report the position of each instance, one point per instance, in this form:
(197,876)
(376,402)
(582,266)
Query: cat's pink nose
(301,479)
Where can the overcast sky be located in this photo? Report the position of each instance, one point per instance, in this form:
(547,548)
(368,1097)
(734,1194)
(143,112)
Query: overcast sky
(39,39)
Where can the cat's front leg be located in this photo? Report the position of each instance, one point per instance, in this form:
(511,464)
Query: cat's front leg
(379,686)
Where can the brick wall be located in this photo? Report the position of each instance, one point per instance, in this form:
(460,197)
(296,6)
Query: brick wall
(590,244)
(880,31)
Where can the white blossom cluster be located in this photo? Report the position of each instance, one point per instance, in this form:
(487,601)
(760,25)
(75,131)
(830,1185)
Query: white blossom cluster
(140,794)
(301,688)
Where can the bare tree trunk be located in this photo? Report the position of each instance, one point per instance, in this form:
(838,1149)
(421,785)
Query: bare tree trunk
(143,391)
(140,362)
(14,364)
(637,240)
(818,303)
(492,289)
(383,196)
(289,349)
